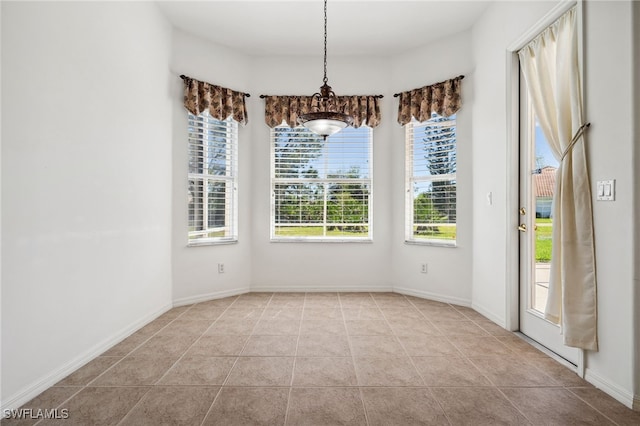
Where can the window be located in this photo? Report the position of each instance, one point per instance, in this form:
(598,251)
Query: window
(321,189)
(431,181)
(212,195)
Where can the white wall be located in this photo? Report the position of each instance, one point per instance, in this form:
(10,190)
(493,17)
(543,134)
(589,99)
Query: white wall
(608,40)
(449,269)
(636,195)
(608,36)
(86,157)
(195,270)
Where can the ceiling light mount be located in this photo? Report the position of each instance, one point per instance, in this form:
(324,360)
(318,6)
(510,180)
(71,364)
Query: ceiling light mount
(325,119)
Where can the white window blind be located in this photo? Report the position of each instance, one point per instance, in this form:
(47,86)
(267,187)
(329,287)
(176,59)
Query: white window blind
(212,194)
(431,181)
(321,189)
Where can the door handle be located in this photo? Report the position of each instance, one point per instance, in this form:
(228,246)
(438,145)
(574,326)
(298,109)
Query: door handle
(522,227)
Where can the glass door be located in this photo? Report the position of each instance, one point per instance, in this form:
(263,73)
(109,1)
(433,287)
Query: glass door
(537,185)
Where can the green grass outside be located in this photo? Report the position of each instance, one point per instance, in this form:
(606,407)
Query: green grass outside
(442,233)
(316,231)
(543,240)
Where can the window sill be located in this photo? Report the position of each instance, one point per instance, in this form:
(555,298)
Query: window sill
(211,243)
(432,243)
(323,240)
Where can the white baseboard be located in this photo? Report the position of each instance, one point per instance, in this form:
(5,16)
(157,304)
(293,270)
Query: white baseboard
(433,296)
(625,397)
(210,296)
(485,312)
(34,389)
(316,289)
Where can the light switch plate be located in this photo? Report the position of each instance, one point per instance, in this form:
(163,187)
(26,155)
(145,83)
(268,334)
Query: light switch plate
(606,190)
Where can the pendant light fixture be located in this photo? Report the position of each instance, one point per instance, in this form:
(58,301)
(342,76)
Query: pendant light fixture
(325,119)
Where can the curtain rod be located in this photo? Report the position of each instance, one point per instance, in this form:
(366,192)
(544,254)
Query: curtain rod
(460,77)
(375,96)
(184,77)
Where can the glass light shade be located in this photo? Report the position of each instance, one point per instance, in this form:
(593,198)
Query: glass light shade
(325,123)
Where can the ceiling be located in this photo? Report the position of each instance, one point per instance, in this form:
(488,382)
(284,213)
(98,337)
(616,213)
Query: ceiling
(355,27)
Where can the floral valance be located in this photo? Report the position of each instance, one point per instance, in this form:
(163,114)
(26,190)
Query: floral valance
(288,108)
(442,98)
(222,103)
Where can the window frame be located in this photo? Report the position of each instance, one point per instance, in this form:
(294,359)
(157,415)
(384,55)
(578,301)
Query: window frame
(229,179)
(411,179)
(326,181)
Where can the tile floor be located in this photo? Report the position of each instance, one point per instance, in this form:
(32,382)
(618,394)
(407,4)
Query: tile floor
(326,359)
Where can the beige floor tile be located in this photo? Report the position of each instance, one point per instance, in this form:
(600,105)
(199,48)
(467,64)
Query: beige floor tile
(425,303)
(460,328)
(185,327)
(251,313)
(282,313)
(135,371)
(478,406)
(172,406)
(332,313)
(493,328)
(470,313)
(99,406)
(446,313)
(608,406)
(397,371)
(376,346)
(392,302)
(249,406)
(270,346)
(324,372)
(277,327)
(153,327)
(519,346)
(402,407)
(127,345)
(512,371)
(174,313)
(402,313)
(199,370)
(47,400)
(286,303)
(250,303)
(217,346)
(334,327)
(559,372)
(472,346)
(554,406)
(428,346)
(202,313)
(165,346)
(368,328)
(413,327)
(449,371)
(232,327)
(325,406)
(220,303)
(362,313)
(323,345)
(261,371)
(89,371)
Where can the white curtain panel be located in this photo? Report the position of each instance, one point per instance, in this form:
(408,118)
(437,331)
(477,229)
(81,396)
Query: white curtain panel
(551,68)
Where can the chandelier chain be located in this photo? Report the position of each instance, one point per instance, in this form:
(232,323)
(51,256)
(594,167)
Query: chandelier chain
(325,42)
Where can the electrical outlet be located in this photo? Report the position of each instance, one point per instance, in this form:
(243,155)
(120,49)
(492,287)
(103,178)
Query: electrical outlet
(221,268)
(423,268)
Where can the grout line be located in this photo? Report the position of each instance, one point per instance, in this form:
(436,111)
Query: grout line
(295,357)
(353,359)
(237,356)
